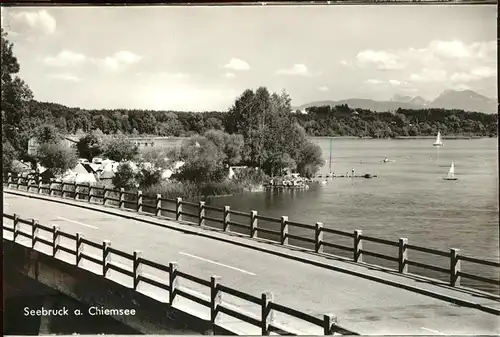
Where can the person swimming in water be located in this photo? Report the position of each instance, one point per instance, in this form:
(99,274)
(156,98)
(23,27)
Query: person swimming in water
(386,160)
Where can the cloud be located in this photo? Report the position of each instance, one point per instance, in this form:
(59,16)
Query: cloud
(65,77)
(373,81)
(229,75)
(65,58)
(324,89)
(474,75)
(379,59)
(297,69)
(118,60)
(237,64)
(429,75)
(395,82)
(347,63)
(40,22)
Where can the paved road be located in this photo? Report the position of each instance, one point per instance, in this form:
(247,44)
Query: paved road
(361,305)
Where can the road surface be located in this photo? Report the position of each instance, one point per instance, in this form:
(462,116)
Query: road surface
(361,305)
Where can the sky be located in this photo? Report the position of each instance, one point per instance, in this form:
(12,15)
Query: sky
(201,58)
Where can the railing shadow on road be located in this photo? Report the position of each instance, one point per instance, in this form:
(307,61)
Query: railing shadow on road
(245,225)
(131,266)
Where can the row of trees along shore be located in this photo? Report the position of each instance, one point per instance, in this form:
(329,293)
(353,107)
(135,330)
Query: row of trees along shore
(260,131)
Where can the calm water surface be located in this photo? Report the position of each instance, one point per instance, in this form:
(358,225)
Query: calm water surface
(409,198)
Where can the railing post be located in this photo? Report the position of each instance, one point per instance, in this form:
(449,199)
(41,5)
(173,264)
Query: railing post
(106,256)
(178,209)
(403,256)
(122,198)
(454,267)
(90,194)
(215,301)
(62,189)
(9,179)
(358,245)
(18,182)
(253,224)
(75,194)
(173,280)
(50,189)
(39,187)
(139,201)
(158,204)
(329,322)
(267,314)
(55,240)
(15,223)
(227,219)
(104,196)
(137,268)
(284,230)
(201,213)
(33,232)
(319,237)
(79,247)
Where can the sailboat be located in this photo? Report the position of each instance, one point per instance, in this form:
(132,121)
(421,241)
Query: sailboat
(451,173)
(438,141)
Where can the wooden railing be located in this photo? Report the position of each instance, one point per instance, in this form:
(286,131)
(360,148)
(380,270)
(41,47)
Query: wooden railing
(266,321)
(198,215)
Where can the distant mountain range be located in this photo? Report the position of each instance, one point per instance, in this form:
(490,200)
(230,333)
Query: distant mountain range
(467,100)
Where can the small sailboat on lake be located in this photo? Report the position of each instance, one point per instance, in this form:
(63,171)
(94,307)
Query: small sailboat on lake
(451,173)
(438,141)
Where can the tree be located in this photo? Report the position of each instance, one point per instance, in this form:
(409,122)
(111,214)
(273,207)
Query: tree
(15,96)
(8,156)
(310,160)
(47,133)
(124,177)
(230,145)
(202,161)
(57,157)
(120,148)
(90,145)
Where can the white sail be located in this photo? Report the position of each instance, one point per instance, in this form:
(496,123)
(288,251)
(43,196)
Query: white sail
(451,172)
(438,141)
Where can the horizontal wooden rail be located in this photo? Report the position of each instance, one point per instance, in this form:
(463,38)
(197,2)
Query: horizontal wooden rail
(268,218)
(478,278)
(239,213)
(427,266)
(158,284)
(297,314)
(239,294)
(301,238)
(428,250)
(45,228)
(91,243)
(334,245)
(26,222)
(119,269)
(300,225)
(208,218)
(66,235)
(268,231)
(378,240)
(381,256)
(187,203)
(153,264)
(479,261)
(91,258)
(180,292)
(212,208)
(120,253)
(338,232)
(65,249)
(236,314)
(193,278)
(237,224)
(45,242)
(9,229)
(168,210)
(26,235)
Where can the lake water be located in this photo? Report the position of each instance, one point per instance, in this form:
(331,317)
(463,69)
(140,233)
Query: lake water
(408,199)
